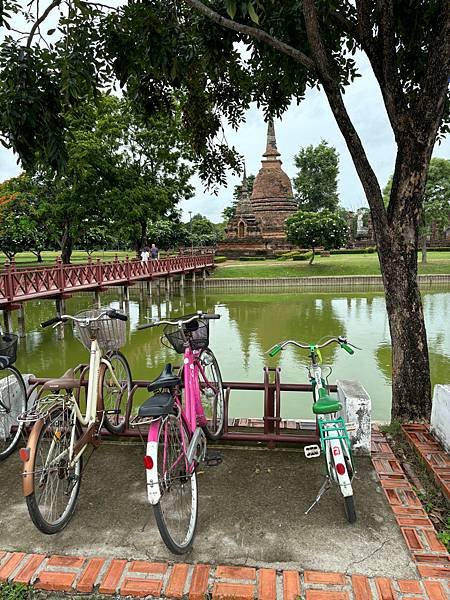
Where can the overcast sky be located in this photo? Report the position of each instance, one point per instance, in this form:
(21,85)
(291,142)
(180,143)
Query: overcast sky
(308,123)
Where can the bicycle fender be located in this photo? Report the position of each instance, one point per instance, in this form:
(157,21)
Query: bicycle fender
(342,480)
(153,490)
(27,473)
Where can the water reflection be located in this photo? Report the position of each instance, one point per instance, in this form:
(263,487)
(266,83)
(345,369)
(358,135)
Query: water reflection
(250,324)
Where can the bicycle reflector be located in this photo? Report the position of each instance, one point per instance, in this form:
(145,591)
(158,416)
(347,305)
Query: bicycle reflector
(24,454)
(340,468)
(148,462)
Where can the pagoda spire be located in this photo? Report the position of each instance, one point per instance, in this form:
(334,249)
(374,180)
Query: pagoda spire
(271,145)
(244,186)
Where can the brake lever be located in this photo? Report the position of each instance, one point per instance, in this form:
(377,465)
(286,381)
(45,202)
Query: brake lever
(353,346)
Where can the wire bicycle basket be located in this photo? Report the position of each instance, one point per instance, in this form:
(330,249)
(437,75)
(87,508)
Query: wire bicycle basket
(109,333)
(8,349)
(196,332)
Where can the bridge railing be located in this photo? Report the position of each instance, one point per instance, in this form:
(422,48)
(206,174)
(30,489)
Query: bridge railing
(38,282)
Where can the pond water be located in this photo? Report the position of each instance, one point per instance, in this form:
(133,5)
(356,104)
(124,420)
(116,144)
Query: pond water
(251,322)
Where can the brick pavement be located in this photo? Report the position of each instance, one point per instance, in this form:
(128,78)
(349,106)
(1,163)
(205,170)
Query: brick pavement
(140,578)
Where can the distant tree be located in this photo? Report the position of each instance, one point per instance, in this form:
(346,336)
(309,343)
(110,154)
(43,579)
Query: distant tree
(230,211)
(168,233)
(97,237)
(436,200)
(202,231)
(316,181)
(315,229)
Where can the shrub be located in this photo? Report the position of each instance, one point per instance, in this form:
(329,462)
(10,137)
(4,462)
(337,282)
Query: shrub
(302,256)
(349,251)
(371,249)
(249,258)
(220,259)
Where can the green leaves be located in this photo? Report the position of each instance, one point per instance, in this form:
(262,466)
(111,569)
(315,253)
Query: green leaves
(314,229)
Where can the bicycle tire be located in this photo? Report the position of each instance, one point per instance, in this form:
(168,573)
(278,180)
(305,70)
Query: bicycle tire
(349,506)
(110,400)
(57,429)
(212,406)
(177,544)
(12,406)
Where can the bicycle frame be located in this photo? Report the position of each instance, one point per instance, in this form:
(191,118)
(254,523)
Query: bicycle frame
(193,417)
(331,436)
(88,419)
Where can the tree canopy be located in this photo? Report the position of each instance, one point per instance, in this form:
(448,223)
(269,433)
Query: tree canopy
(325,229)
(316,181)
(262,51)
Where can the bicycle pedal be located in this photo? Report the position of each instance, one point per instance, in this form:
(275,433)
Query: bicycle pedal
(214,459)
(312,451)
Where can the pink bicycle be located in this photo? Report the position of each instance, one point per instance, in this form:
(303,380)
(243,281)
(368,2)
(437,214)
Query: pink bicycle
(178,433)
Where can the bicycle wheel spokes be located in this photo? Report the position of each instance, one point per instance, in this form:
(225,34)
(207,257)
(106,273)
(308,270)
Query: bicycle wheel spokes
(176,512)
(13,402)
(56,482)
(115,388)
(212,395)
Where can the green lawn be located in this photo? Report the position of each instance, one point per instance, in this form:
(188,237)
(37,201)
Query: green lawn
(24,259)
(337,264)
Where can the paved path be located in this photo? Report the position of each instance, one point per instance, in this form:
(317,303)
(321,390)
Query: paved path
(253,540)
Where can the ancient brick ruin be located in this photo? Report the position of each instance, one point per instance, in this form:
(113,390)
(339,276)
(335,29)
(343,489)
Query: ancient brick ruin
(258,227)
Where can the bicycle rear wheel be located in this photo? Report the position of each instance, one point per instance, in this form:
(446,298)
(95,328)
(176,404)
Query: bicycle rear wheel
(176,511)
(114,400)
(56,483)
(13,402)
(212,395)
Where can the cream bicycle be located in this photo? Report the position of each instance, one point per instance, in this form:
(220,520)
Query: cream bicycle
(53,457)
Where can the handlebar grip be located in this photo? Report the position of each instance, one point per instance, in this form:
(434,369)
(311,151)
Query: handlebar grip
(210,317)
(51,321)
(275,350)
(147,325)
(347,348)
(115,314)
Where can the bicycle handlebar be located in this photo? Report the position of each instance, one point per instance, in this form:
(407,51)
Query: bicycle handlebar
(341,340)
(179,322)
(112,313)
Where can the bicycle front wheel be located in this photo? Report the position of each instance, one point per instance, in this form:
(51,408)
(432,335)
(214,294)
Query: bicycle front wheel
(212,395)
(115,393)
(56,482)
(13,402)
(176,511)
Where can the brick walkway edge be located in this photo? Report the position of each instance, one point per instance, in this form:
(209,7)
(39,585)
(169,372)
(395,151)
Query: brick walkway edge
(140,578)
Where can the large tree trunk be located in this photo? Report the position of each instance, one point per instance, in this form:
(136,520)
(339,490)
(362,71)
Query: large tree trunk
(411,387)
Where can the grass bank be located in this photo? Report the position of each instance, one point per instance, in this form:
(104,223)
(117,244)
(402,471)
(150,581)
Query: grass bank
(337,264)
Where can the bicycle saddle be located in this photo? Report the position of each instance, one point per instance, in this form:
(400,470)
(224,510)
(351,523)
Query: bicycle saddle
(167,379)
(67,382)
(325,405)
(157,406)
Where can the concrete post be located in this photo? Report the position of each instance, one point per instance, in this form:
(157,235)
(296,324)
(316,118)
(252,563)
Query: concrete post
(204,276)
(167,285)
(440,415)
(182,283)
(193,278)
(126,293)
(21,321)
(149,287)
(7,321)
(356,411)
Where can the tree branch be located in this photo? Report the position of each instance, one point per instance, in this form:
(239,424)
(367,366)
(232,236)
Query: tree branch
(365,172)
(254,32)
(40,20)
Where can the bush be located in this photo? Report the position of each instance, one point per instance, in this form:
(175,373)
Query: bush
(439,249)
(249,258)
(371,249)
(302,256)
(220,259)
(349,251)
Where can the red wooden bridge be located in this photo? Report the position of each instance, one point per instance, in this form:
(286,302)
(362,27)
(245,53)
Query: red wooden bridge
(18,285)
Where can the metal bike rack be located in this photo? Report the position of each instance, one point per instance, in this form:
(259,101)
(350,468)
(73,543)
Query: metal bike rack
(270,429)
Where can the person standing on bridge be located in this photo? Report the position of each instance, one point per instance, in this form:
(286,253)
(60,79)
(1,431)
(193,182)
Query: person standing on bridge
(145,254)
(154,252)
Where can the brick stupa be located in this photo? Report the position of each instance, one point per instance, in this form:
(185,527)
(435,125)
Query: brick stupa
(258,227)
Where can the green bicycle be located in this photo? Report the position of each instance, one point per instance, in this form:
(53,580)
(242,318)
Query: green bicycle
(335,444)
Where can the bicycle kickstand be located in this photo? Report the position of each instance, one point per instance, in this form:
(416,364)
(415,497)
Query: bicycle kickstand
(324,487)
